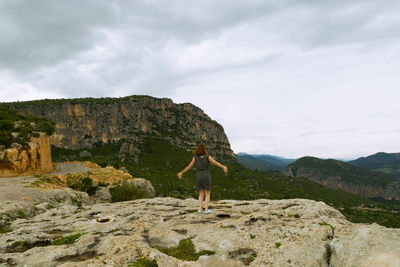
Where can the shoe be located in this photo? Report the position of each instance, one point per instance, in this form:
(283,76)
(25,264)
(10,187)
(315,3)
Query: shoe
(199,211)
(208,211)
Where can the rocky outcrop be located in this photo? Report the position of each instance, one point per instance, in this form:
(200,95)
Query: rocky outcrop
(293,232)
(23,196)
(32,158)
(82,122)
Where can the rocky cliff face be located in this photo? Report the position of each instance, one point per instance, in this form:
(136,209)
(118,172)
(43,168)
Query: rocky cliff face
(293,232)
(82,122)
(389,191)
(33,158)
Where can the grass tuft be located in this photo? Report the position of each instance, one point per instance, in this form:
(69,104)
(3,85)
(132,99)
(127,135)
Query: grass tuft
(144,262)
(185,251)
(67,240)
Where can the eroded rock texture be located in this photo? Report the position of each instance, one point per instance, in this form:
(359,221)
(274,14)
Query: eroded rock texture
(293,232)
(33,158)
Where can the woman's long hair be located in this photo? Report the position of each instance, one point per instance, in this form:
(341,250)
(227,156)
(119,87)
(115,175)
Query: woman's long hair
(200,150)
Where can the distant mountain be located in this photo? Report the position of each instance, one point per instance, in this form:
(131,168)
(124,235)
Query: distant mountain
(388,163)
(254,163)
(280,161)
(340,175)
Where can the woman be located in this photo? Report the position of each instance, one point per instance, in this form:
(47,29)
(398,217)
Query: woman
(203,177)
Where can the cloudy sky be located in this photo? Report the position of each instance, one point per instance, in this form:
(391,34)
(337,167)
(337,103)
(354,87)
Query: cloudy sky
(287,77)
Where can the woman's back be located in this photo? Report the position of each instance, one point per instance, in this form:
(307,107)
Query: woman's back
(202,162)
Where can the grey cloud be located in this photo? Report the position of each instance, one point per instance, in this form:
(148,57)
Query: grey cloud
(258,48)
(37,33)
(44,33)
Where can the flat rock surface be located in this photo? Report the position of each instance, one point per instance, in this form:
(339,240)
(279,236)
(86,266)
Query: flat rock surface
(17,188)
(294,232)
(18,193)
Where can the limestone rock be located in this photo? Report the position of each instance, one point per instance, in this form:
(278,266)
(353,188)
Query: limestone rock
(258,233)
(26,160)
(103,194)
(80,125)
(367,246)
(16,145)
(145,186)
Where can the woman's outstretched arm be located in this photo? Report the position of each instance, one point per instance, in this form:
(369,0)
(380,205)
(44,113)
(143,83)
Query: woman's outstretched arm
(188,167)
(216,163)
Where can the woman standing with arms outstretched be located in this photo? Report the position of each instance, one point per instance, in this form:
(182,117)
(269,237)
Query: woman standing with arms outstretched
(203,177)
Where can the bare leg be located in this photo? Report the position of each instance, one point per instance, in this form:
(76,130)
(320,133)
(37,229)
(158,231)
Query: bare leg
(201,197)
(207,199)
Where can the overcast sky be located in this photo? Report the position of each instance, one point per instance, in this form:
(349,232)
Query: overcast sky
(288,77)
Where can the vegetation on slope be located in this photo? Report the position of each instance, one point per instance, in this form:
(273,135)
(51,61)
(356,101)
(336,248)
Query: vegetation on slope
(256,164)
(160,161)
(388,163)
(18,128)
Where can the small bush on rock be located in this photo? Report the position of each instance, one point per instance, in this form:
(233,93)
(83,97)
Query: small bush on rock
(144,262)
(125,191)
(26,126)
(85,185)
(185,251)
(67,240)
(21,214)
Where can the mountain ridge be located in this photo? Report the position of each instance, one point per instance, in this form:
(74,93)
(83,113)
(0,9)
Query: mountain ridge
(336,174)
(388,163)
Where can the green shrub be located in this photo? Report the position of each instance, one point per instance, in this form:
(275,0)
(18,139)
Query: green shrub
(84,184)
(28,126)
(21,214)
(144,262)
(6,125)
(6,138)
(125,191)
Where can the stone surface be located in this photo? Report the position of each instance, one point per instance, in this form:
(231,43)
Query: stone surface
(24,194)
(33,158)
(119,233)
(83,124)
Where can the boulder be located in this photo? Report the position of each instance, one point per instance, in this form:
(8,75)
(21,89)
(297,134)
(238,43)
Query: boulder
(145,186)
(85,154)
(367,246)
(102,195)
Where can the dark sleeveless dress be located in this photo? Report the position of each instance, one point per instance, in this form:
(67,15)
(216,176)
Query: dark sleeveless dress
(203,177)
